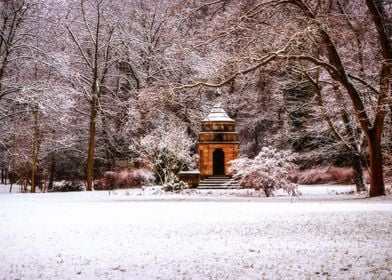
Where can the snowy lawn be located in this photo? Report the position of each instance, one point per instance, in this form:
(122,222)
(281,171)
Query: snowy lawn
(194,236)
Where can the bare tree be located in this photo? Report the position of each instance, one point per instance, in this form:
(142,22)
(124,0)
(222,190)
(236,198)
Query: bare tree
(92,35)
(313,25)
(13,37)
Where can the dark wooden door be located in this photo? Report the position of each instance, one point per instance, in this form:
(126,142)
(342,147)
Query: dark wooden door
(218,162)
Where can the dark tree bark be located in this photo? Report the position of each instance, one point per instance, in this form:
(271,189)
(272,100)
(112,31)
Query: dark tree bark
(35,150)
(376,167)
(382,24)
(356,163)
(91,145)
(2,176)
(52,170)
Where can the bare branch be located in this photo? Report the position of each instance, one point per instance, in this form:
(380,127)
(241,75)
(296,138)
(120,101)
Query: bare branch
(81,51)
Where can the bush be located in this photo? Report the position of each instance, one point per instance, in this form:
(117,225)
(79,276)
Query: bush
(68,186)
(140,177)
(123,179)
(175,186)
(268,171)
(166,150)
(325,175)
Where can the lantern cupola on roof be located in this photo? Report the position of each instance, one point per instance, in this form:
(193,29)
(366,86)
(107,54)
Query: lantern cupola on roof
(217,114)
(217,144)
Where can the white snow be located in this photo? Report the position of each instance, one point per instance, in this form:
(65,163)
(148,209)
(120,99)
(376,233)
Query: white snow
(145,234)
(326,189)
(218,114)
(6,188)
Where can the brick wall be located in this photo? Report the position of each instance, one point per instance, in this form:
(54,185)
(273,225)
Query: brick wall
(205,151)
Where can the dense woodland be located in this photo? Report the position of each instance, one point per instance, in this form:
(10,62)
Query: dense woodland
(89,86)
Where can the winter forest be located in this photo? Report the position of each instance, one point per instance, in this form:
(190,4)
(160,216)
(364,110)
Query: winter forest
(95,86)
(104,105)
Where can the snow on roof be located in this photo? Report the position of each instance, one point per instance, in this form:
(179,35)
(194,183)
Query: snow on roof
(218,114)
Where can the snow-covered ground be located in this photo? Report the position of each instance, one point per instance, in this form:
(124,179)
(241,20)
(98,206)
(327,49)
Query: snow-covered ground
(199,235)
(6,188)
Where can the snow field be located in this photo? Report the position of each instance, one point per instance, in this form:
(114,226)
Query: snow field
(97,236)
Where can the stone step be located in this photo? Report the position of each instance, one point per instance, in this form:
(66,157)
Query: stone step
(221,187)
(218,182)
(219,178)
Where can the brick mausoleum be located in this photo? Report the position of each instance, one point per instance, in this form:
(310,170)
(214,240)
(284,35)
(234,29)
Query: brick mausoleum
(217,144)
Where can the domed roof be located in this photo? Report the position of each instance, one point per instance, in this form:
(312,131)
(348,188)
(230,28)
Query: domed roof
(218,114)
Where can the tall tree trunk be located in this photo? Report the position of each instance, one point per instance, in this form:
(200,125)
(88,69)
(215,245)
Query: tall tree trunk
(374,134)
(91,144)
(356,159)
(95,90)
(51,172)
(35,148)
(6,176)
(376,169)
(95,54)
(356,162)
(382,24)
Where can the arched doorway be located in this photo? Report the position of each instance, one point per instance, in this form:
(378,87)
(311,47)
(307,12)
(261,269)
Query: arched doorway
(218,160)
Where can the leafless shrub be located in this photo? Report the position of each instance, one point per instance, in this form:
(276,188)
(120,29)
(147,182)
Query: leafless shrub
(325,175)
(268,171)
(124,179)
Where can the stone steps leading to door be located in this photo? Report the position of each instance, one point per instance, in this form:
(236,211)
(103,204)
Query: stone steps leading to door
(218,182)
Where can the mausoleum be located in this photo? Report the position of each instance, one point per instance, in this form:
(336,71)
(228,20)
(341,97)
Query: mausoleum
(217,144)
